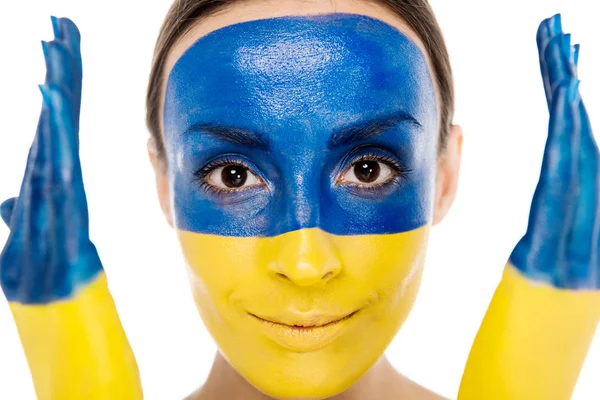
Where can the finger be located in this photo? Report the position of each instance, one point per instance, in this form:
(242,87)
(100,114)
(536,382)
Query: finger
(59,68)
(584,234)
(63,160)
(553,201)
(6,210)
(557,58)
(547,30)
(65,29)
(68,215)
(63,63)
(66,176)
(68,36)
(559,167)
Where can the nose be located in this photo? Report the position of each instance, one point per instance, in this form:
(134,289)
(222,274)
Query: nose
(307,257)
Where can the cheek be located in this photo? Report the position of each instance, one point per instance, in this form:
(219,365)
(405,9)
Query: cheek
(220,264)
(387,268)
(376,269)
(385,263)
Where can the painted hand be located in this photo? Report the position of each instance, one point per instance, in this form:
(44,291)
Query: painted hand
(536,333)
(50,271)
(48,255)
(562,241)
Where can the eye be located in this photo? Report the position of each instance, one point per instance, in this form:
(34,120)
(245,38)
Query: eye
(231,177)
(368,172)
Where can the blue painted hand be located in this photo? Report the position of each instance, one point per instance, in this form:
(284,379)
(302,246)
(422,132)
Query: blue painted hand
(561,244)
(48,255)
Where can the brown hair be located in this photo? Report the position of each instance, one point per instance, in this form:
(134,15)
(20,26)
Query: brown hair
(184,14)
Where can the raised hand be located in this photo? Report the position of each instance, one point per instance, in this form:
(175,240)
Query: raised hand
(48,255)
(541,321)
(49,269)
(562,241)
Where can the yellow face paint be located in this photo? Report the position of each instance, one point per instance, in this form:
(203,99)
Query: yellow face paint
(238,280)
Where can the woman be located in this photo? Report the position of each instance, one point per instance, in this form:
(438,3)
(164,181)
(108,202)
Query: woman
(302,151)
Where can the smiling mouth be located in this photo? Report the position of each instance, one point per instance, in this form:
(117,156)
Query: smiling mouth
(305,326)
(303,333)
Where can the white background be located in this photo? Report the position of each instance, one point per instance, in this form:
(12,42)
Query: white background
(500,104)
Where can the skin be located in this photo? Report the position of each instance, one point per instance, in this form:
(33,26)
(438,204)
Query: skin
(50,270)
(532,342)
(561,244)
(303,238)
(541,321)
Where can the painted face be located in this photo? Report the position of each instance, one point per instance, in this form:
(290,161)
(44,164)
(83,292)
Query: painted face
(301,157)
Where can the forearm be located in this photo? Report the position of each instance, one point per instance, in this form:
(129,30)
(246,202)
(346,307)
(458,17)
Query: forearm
(77,349)
(532,342)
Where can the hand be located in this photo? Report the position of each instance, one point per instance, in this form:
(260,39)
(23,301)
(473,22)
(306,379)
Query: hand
(562,241)
(49,269)
(541,320)
(48,255)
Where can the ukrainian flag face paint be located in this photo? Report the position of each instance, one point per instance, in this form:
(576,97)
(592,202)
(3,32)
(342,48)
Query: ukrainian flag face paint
(302,156)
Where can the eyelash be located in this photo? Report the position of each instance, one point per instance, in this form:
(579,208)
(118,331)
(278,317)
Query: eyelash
(400,171)
(202,174)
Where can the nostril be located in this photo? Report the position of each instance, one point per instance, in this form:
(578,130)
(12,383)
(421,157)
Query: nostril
(279,274)
(327,275)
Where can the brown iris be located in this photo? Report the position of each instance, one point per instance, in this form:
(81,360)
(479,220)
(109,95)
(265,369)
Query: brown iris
(234,176)
(367,171)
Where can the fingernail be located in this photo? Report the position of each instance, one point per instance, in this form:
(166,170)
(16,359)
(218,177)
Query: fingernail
(45,49)
(576,54)
(56,27)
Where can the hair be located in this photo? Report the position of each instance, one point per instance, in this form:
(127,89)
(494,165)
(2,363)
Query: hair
(184,14)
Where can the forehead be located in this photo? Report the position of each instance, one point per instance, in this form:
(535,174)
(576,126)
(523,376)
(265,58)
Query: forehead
(319,72)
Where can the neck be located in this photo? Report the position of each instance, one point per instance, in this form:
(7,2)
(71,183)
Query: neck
(224,382)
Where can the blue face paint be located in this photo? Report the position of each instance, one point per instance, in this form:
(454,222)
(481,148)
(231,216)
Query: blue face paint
(298,101)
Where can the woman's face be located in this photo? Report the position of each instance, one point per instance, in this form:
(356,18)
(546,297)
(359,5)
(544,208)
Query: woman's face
(301,181)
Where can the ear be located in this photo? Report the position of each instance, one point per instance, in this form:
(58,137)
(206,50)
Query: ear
(447,174)
(162,180)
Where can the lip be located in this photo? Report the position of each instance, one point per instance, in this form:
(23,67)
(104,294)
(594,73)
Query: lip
(303,333)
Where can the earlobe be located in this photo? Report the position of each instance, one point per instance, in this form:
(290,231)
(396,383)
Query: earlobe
(162,181)
(448,169)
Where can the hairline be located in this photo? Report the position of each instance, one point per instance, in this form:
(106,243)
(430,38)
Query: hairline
(199,29)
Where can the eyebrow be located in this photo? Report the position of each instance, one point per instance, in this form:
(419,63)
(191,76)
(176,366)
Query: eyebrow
(364,130)
(229,134)
(342,137)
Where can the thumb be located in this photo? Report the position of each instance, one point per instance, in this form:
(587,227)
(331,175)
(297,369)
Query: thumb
(6,209)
